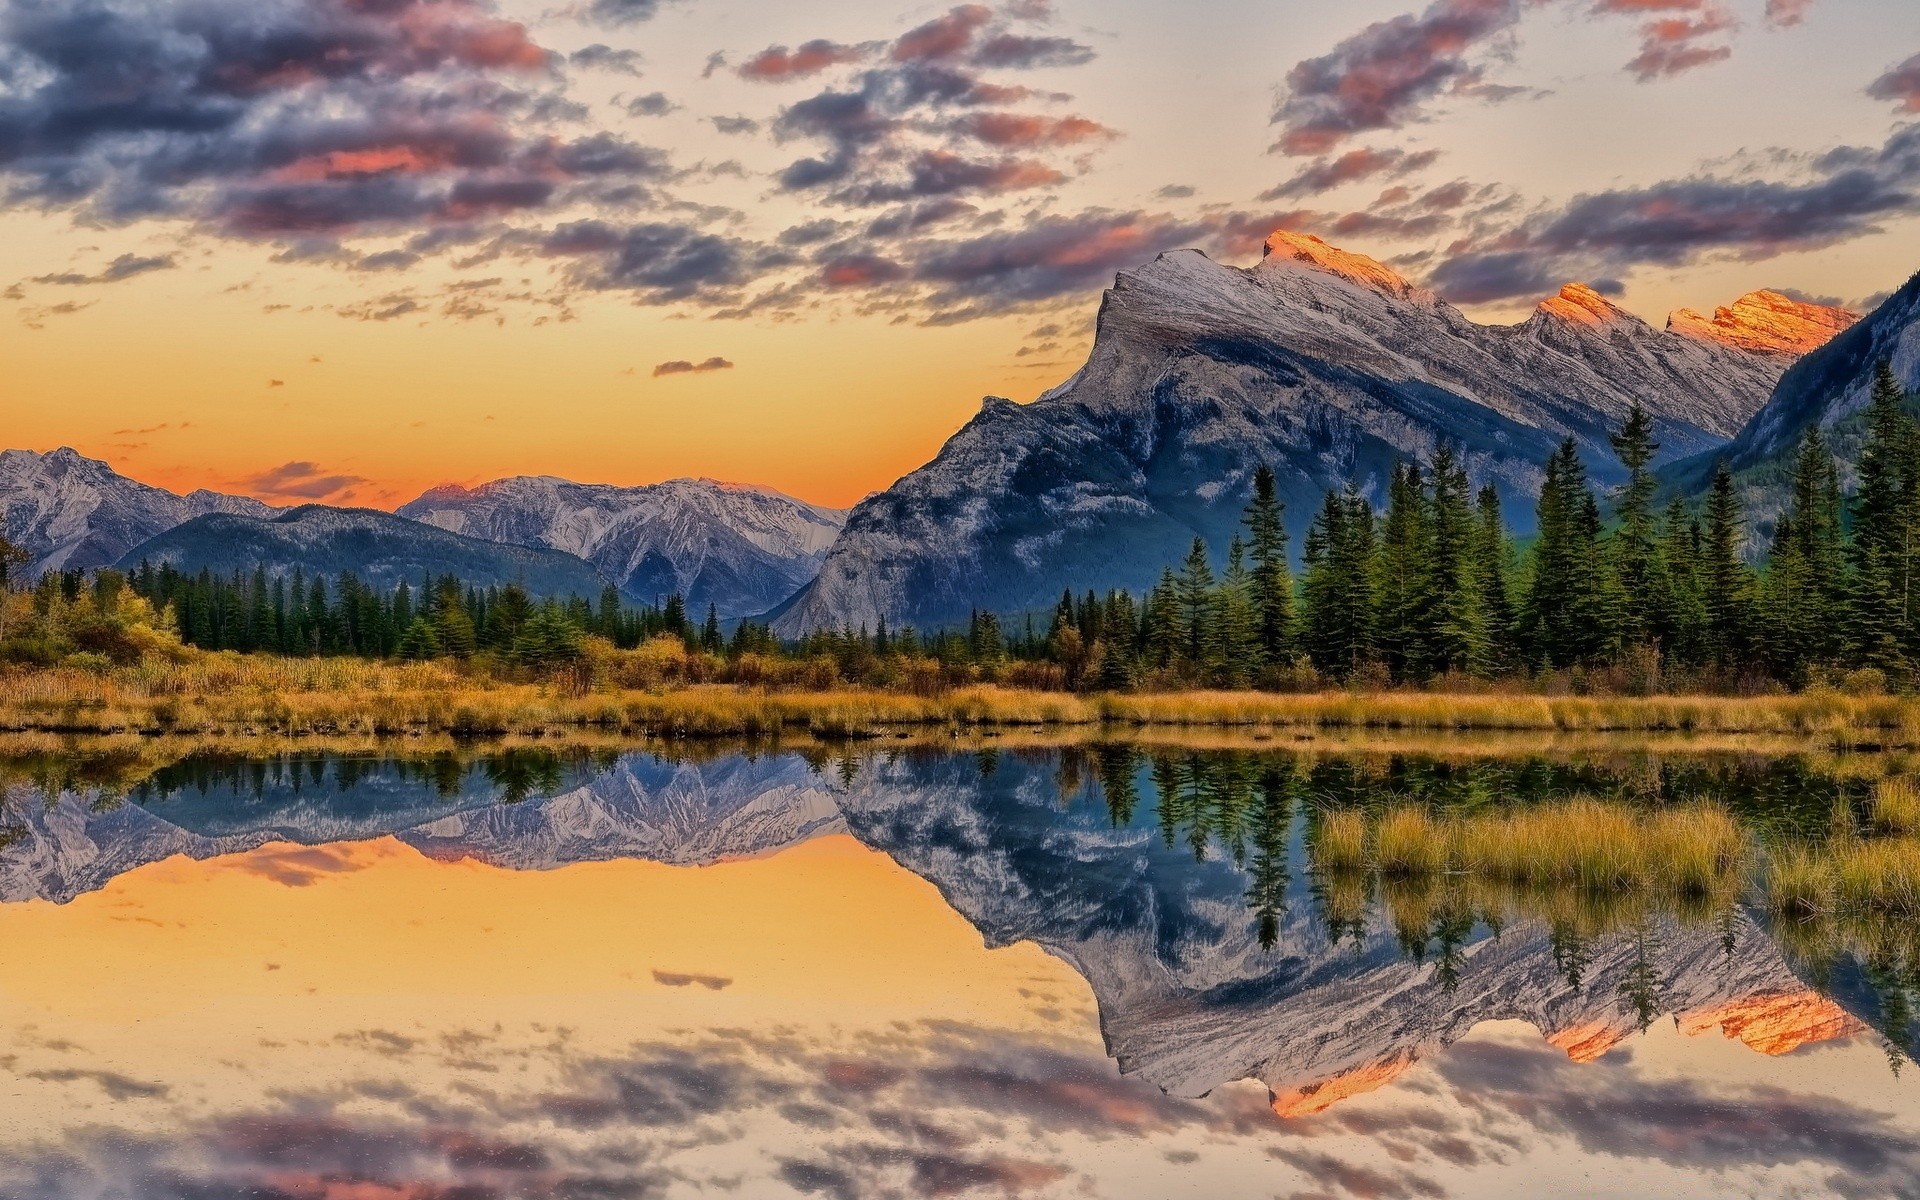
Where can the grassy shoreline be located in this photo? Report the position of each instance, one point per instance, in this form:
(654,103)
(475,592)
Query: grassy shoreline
(228,695)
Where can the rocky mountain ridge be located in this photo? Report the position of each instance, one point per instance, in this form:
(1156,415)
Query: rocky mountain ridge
(68,511)
(741,549)
(1323,363)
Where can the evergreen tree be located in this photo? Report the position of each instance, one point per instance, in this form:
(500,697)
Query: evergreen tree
(1272,579)
(1194,594)
(1635,541)
(1723,573)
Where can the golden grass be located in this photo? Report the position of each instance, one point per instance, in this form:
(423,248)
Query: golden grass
(1896,805)
(258,695)
(1692,849)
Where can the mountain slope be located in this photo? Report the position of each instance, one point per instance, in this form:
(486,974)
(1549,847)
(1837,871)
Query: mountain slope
(73,512)
(1830,387)
(741,549)
(1324,364)
(378,547)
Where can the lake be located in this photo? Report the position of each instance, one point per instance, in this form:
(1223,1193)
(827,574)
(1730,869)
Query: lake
(921,970)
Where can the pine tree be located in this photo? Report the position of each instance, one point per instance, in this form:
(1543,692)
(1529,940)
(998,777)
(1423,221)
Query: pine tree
(1634,544)
(420,641)
(1272,579)
(1723,573)
(1236,646)
(1882,530)
(1194,592)
(710,638)
(1408,613)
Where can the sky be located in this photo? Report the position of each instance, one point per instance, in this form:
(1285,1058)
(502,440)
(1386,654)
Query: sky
(346,250)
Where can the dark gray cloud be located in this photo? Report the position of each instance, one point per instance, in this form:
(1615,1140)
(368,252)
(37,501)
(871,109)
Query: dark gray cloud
(652,260)
(302,481)
(1841,194)
(685,366)
(653,104)
(126,266)
(602,57)
(622,12)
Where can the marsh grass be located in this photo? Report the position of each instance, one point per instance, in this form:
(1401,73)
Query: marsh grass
(261,695)
(1896,805)
(1583,843)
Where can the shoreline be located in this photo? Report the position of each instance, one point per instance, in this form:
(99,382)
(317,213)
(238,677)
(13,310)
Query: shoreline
(316,698)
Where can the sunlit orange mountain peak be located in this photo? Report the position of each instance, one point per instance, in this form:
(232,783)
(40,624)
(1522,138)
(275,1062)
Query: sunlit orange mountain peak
(1588,1040)
(1765,322)
(1579,304)
(1320,1095)
(1775,1024)
(1284,245)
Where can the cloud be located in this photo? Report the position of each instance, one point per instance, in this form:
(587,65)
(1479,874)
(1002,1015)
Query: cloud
(297,866)
(602,57)
(1671,44)
(1378,78)
(651,260)
(1900,84)
(1787,12)
(653,104)
(300,481)
(311,124)
(621,12)
(1327,173)
(945,37)
(682,366)
(124,267)
(777,64)
(1841,194)
(680,979)
(736,125)
(117,1086)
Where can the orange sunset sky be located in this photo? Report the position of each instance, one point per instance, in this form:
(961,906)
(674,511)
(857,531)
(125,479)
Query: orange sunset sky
(344,250)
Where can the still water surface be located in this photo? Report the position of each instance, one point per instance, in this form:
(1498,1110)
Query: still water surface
(925,973)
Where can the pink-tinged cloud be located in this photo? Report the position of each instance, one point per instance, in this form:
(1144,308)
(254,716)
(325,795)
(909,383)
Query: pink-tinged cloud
(1900,84)
(776,64)
(1364,163)
(944,37)
(1378,78)
(1787,12)
(1673,45)
(1032,129)
(859,270)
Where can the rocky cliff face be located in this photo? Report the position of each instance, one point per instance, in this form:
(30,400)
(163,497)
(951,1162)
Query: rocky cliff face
(738,548)
(1322,363)
(72,512)
(1766,322)
(1829,387)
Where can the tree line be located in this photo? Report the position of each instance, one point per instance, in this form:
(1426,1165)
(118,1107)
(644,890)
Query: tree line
(1435,584)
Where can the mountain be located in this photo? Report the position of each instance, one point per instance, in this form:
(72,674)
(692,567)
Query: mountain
(1324,364)
(378,547)
(1830,387)
(71,512)
(741,549)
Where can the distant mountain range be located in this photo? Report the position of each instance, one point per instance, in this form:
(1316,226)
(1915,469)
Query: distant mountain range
(377,546)
(1324,364)
(73,512)
(741,549)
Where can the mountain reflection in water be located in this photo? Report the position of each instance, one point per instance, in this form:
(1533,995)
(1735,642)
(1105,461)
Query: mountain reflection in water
(809,1000)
